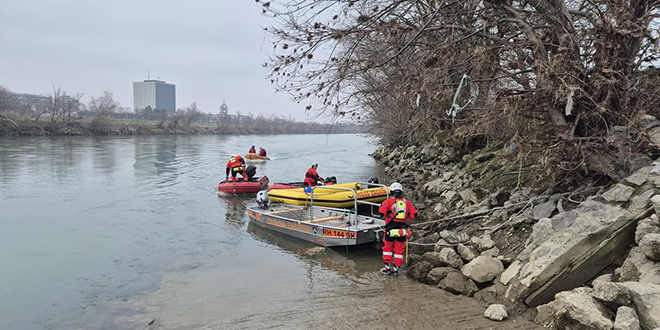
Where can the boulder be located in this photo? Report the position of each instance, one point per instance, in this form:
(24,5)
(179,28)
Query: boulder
(449,196)
(441,244)
(646,298)
(483,269)
(637,267)
(637,179)
(453,237)
(510,272)
(640,202)
(603,278)
(577,309)
(494,252)
(433,258)
(646,226)
(626,319)
(650,246)
(564,220)
(420,249)
(420,270)
(635,163)
(438,273)
(496,312)
(466,253)
(468,196)
(457,283)
(655,200)
(612,294)
(434,188)
(544,210)
(619,193)
(545,315)
(449,257)
(482,243)
(492,294)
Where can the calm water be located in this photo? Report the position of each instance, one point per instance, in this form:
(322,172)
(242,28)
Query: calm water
(128,233)
(100,232)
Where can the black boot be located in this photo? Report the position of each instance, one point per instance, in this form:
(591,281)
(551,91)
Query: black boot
(386,270)
(394,271)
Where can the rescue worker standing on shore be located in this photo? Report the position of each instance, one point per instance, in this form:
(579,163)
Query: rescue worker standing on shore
(236,165)
(398,213)
(312,177)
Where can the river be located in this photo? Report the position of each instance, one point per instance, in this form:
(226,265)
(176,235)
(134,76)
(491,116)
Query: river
(128,233)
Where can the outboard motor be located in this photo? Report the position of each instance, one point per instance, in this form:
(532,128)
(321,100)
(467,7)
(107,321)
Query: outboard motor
(251,170)
(262,199)
(333,180)
(372,179)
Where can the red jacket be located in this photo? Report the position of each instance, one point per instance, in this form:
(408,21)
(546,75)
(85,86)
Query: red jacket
(234,162)
(262,152)
(252,151)
(312,177)
(388,209)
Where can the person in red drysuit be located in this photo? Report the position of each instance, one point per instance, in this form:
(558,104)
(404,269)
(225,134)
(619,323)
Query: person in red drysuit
(262,152)
(398,213)
(252,150)
(312,177)
(236,165)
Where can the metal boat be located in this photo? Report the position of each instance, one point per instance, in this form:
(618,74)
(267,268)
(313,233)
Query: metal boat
(326,226)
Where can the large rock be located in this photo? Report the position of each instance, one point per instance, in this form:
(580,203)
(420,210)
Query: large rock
(646,298)
(438,273)
(510,272)
(434,188)
(482,243)
(433,258)
(626,319)
(613,294)
(619,193)
(453,237)
(449,257)
(441,244)
(637,179)
(420,249)
(420,270)
(483,269)
(457,283)
(544,210)
(467,253)
(594,221)
(640,202)
(646,226)
(578,310)
(637,267)
(494,252)
(655,200)
(650,246)
(496,312)
(468,196)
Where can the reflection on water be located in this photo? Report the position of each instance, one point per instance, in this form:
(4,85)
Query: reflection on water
(235,209)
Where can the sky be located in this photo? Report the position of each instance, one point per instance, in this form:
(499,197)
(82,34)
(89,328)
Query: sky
(210,49)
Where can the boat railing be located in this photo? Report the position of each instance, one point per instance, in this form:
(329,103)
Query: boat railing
(369,185)
(355,200)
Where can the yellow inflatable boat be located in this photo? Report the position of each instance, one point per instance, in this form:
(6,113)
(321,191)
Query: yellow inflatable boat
(329,197)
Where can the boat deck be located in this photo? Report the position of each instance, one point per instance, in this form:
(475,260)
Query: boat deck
(324,216)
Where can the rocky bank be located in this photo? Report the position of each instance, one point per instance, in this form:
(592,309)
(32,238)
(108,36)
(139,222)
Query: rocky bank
(582,259)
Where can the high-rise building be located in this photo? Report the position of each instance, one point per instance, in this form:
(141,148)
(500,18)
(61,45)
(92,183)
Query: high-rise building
(156,94)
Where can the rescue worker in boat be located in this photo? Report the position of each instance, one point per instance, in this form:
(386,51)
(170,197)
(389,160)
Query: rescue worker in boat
(236,165)
(262,152)
(252,150)
(398,213)
(312,177)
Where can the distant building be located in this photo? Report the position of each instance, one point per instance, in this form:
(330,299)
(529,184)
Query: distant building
(224,109)
(156,94)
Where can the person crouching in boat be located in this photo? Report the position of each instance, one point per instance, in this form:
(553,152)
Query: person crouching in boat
(398,213)
(262,152)
(312,177)
(235,165)
(252,150)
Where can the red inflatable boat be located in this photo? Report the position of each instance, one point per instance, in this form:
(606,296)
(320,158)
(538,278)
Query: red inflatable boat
(243,187)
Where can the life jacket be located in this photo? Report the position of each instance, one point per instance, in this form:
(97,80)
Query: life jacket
(252,151)
(399,210)
(235,163)
(262,152)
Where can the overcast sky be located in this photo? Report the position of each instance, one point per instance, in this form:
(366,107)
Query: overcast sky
(210,49)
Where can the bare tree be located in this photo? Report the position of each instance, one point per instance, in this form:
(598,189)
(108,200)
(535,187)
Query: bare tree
(553,72)
(189,114)
(102,107)
(7,100)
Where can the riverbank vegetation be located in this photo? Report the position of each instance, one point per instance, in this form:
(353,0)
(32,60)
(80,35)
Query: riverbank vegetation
(552,84)
(63,114)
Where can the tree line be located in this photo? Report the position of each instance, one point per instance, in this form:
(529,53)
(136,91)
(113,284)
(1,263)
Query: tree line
(104,115)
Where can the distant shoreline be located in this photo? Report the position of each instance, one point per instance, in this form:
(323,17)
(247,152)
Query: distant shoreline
(14,128)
